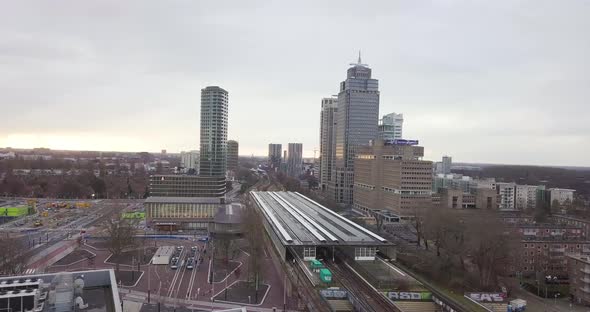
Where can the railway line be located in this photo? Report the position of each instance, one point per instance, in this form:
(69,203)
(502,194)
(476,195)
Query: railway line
(368,298)
(307,291)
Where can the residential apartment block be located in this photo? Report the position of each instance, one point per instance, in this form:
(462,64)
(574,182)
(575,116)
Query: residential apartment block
(579,277)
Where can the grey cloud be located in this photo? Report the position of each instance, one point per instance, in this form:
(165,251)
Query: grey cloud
(491,73)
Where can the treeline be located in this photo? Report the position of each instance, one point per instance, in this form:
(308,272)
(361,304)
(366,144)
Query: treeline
(468,248)
(80,186)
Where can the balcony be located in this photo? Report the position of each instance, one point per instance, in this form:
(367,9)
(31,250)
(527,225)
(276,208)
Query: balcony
(585,280)
(585,270)
(585,289)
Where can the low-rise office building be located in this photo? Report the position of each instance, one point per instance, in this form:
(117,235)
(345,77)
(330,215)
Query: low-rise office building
(476,199)
(391,175)
(563,197)
(182,185)
(181,213)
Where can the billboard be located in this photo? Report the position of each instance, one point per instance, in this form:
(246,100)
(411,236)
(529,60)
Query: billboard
(487,297)
(401,142)
(14,211)
(409,295)
(134,215)
(334,293)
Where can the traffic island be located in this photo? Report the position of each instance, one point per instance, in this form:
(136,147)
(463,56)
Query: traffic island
(243,292)
(131,257)
(223,269)
(74,257)
(97,244)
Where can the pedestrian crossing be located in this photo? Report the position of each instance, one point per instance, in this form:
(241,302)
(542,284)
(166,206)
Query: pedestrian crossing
(30,271)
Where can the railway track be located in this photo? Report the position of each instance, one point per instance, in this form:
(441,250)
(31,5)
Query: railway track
(368,297)
(307,291)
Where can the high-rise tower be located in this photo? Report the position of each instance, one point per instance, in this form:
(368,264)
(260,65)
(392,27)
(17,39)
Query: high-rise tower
(214,102)
(356,125)
(327,127)
(295,159)
(274,155)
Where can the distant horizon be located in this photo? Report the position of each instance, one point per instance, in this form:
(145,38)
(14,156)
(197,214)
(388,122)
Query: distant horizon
(305,157)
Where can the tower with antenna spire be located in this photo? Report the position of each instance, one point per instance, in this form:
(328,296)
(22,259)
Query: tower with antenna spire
(356,124)
(359,62)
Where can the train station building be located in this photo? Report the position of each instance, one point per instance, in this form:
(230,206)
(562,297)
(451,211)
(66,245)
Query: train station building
(300,227)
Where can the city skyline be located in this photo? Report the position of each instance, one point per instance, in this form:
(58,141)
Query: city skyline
(84,88)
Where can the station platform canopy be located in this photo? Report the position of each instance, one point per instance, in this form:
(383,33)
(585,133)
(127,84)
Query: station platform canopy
(299,221)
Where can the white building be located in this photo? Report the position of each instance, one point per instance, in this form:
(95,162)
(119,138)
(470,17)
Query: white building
(391,126)
(9,155)
(190,160)
(526,196)
(506,193)
(561,195)
(489,183)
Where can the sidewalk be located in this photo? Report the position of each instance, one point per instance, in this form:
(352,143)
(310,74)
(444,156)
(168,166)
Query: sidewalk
(535,303)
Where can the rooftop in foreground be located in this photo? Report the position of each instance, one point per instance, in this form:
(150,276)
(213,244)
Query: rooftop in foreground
(62,292)
(300,221)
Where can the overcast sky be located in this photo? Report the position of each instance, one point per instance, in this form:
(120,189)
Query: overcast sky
(483,81)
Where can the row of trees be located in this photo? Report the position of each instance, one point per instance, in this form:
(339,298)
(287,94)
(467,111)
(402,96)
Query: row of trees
(81,186)
(254,234)
(461,247)
(247,177)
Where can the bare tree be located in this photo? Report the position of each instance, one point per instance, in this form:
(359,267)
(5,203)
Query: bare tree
(224,244)
(418,224)
(379,220)
(490,247)
(254,233)
(11,257)
(436,226)
(121,236)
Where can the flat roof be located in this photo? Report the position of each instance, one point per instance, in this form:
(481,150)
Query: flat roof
(582,258)
(100,290)
(182,200)
(229,214)
(298,220)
